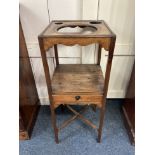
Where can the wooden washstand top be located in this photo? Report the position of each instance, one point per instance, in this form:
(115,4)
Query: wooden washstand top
(86,28)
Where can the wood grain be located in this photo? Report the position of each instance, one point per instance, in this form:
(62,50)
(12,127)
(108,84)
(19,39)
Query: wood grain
(78,84)
(101,35)
(77,78)
(101,29)
(50,42)
(28,96)
(84,100)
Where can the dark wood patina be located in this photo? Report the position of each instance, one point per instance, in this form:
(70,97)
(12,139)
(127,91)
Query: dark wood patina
(28,97)
(77,84)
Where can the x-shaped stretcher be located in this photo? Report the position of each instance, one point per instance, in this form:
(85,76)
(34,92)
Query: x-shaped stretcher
(77,115)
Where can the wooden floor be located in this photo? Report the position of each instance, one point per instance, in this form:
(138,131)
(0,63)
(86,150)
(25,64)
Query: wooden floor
(77,78)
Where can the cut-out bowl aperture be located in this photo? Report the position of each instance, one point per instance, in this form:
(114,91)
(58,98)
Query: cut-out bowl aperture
(95,22)
(81,29)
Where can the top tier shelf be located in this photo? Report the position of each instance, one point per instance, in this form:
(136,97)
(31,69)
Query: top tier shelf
(77,28)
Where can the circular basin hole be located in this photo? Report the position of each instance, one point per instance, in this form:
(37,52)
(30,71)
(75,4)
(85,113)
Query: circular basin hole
(95,22)
(58,23)
(77,29)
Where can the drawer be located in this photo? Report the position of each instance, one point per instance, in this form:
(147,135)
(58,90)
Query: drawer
(78,98)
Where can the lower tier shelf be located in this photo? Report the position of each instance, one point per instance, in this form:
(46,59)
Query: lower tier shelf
(77,83)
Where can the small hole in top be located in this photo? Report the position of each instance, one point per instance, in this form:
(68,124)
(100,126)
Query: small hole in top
(95,22)
(58,23)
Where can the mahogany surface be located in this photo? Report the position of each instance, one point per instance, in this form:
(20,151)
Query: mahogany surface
(77,78)
(83,80)
(100,29)
(102,34)
(77,84)
(28,96)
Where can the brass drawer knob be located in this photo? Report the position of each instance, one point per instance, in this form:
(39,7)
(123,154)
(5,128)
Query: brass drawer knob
(77,97)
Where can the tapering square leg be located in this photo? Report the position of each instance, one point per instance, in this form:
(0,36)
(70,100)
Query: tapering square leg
(54,123)
(101,124)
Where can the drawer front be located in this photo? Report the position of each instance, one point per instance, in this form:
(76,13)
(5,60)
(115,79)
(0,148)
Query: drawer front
(78,98)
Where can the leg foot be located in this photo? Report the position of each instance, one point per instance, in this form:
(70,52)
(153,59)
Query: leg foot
(56,136)
(101,124)
(99,138)
(62,108)
(93,107)
(54,123)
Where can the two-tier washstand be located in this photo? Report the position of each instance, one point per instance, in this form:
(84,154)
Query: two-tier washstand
(77,84)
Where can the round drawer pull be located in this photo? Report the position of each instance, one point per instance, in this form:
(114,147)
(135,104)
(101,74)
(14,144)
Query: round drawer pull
(77,97)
